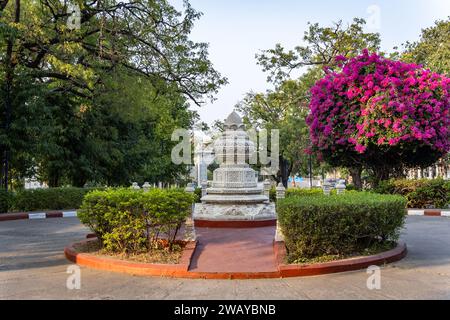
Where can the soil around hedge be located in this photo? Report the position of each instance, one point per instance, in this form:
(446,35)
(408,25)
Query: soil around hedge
(158,256)
(370,251)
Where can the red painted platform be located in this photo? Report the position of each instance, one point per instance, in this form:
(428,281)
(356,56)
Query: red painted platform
(234,250)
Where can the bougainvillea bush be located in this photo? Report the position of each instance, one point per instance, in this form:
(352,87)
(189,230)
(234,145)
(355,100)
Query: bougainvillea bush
(380,114)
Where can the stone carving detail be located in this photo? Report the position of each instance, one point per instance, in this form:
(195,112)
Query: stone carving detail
(208,211)
(234,211)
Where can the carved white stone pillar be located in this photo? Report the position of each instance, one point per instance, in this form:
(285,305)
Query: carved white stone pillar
(190,188)
(189,230)
(326,187)
(340,187)
(135,186)
(281,191)
(266,185)
(146,186)
(204,185)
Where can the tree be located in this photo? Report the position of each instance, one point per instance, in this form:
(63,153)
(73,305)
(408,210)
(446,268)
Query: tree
(105,143)
(433,49)
(283,110)
(380,114)
(322,46)
(148,39)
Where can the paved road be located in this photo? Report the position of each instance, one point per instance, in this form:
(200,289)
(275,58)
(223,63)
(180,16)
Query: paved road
(32,266)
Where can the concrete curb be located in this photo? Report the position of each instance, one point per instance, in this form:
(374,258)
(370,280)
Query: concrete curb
(429,212)
(37,215)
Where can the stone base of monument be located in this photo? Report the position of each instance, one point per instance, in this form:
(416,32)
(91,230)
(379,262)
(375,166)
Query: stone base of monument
(234,216)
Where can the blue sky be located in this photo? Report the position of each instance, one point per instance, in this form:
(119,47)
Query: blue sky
(237,30)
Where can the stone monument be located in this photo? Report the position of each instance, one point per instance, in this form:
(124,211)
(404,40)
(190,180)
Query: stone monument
(234,193)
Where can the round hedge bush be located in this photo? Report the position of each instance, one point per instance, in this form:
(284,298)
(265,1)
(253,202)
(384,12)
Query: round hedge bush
(316,226)
(133,221)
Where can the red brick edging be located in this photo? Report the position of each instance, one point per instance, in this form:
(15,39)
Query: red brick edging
(300,270)
(136,268)
(181,270)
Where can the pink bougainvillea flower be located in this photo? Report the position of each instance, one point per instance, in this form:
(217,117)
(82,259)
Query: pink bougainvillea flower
(374,101)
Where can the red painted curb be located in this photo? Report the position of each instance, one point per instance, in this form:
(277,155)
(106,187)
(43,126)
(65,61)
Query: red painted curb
(135,268)
(235,223)
(432,212)
(13,216)
(300,270)
(181,270)
(54,214)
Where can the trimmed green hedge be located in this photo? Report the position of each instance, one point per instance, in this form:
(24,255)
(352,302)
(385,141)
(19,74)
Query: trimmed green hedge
(48,199)
(42,199)
(291,192)
(419,193)
(318,226)
(133,221)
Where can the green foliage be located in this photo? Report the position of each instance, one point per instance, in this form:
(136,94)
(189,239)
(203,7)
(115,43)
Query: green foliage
(134,221)
(286,107)
(5,200)
(295,192)
(300,192)
(273,194)
(48,199)
(322,45)
(433,49)
(285,110)
(420,193)
(197,195)
(345,224)
(97,104)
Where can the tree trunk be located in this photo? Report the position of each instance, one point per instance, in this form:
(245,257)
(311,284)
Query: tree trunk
(285,171)
(53,180)
(380,174)
(355,173)
(79,181)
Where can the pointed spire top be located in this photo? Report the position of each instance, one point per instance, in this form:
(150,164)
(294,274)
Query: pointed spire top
(234,122)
